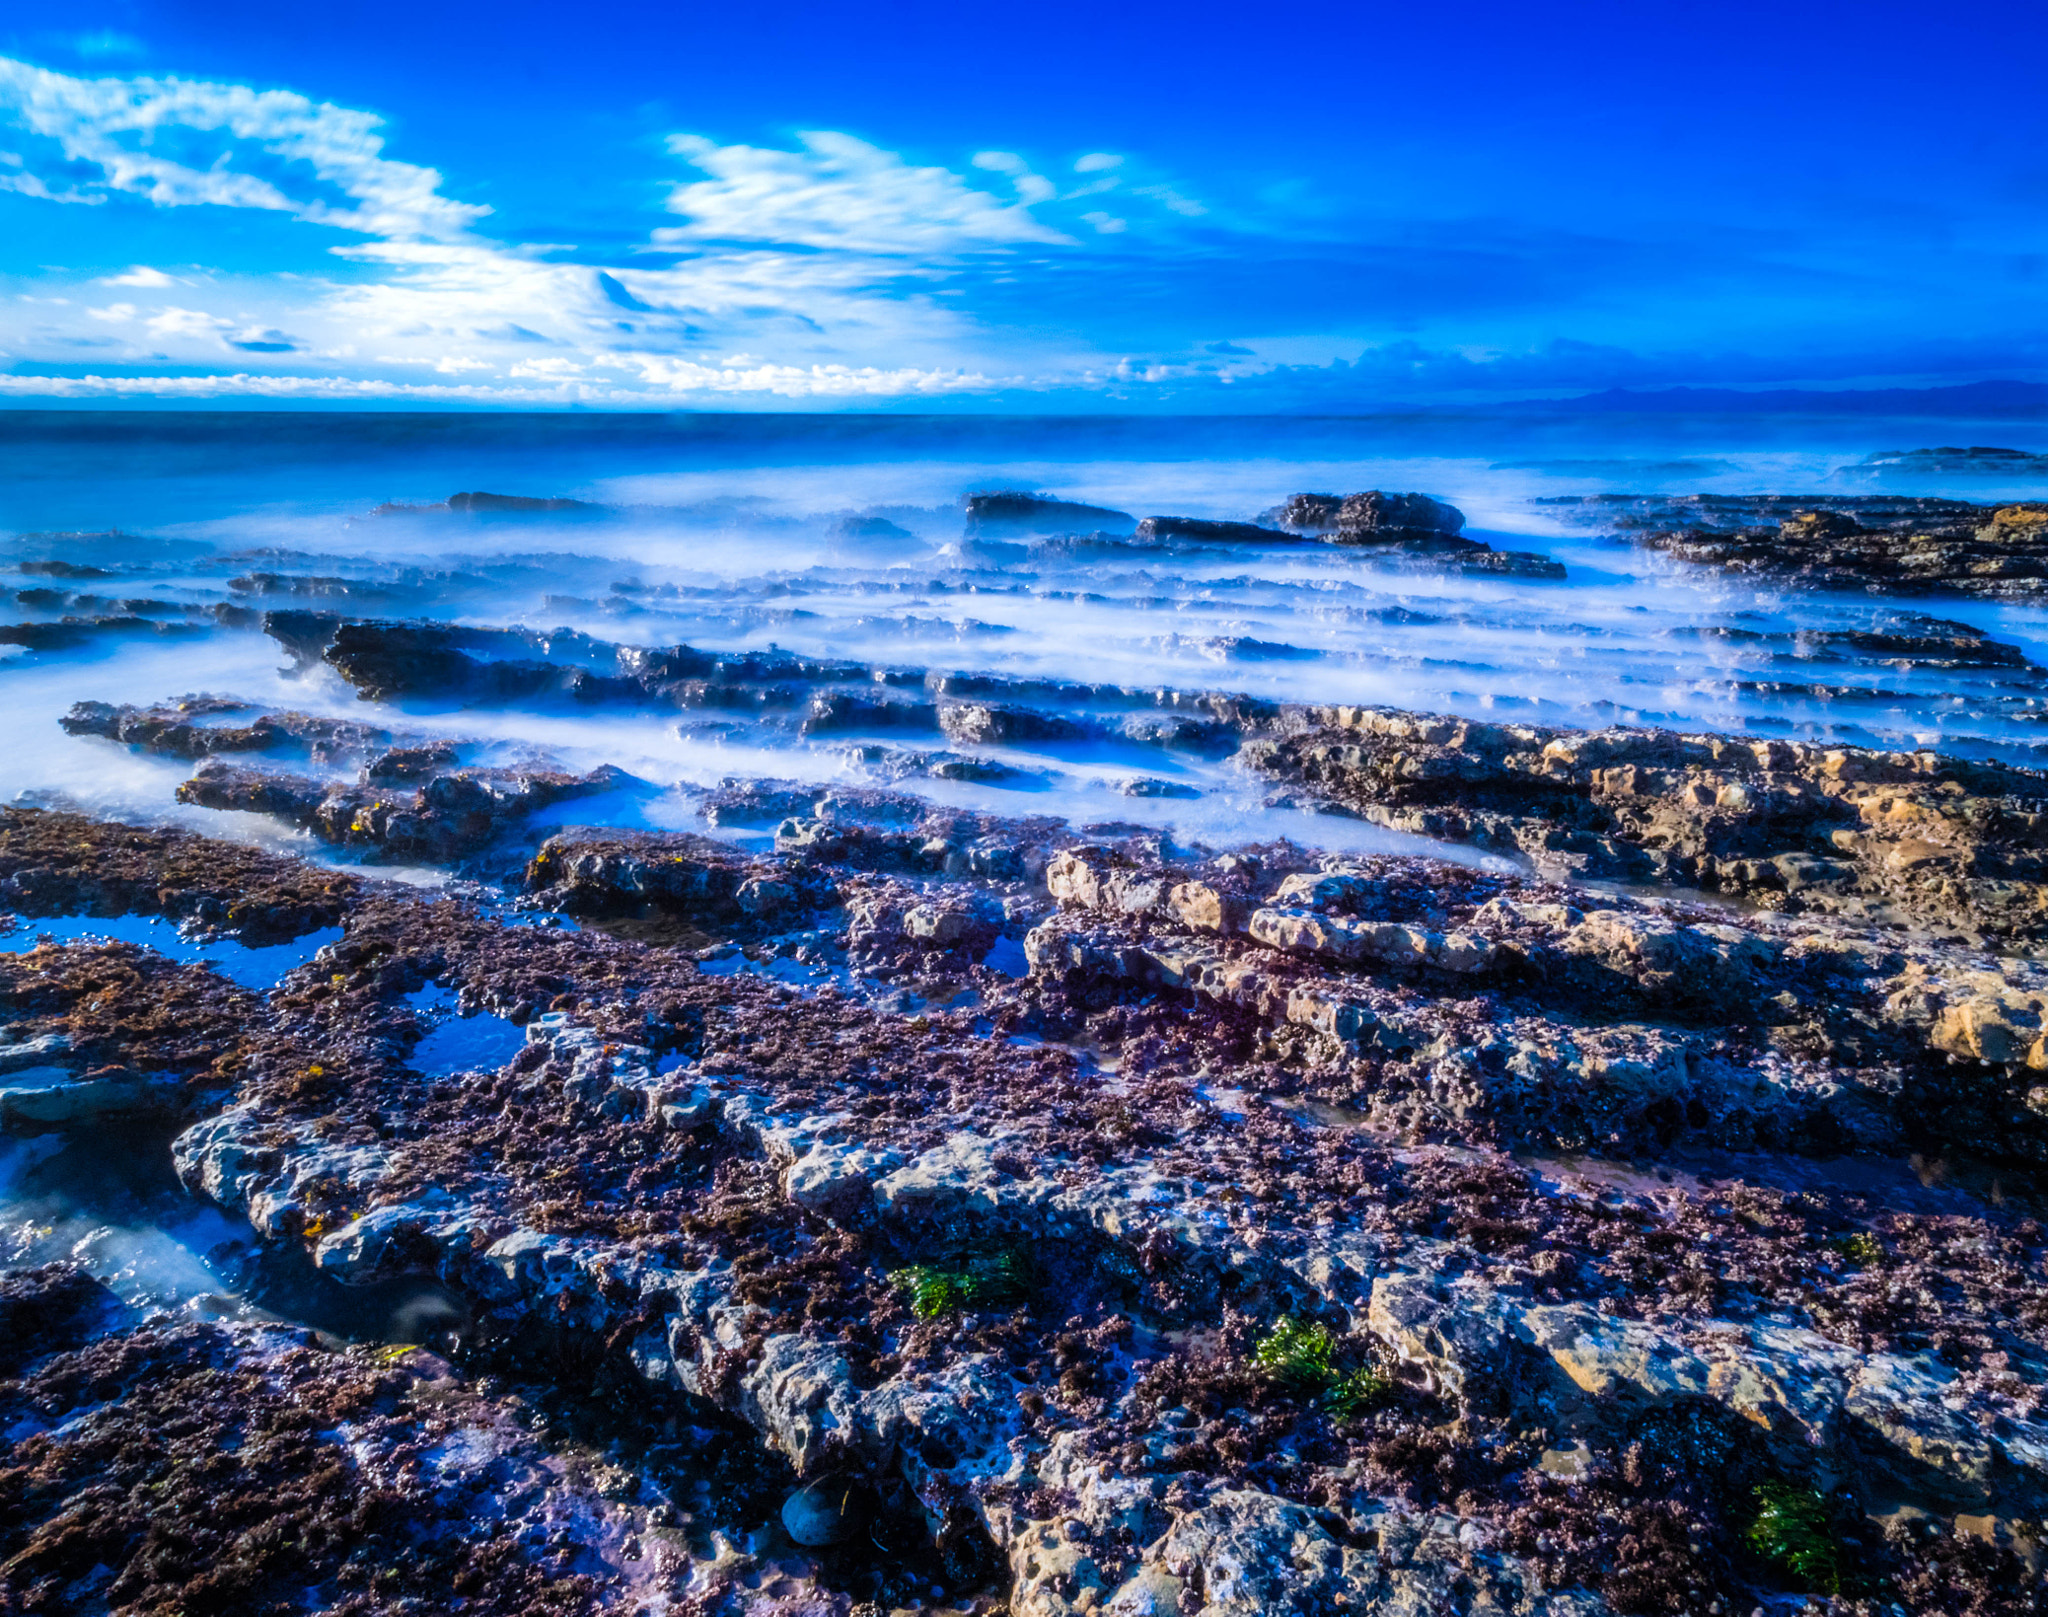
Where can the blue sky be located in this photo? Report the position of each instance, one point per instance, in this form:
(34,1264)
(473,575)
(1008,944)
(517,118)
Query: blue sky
(914,205)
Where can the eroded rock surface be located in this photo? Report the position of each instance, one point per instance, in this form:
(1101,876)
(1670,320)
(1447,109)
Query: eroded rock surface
(1936,840)
(974,1167)
(1885,545)
(180,1468)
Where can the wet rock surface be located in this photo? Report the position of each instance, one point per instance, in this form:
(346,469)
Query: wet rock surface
(66,864)
(834,1197)
(1114,1224)
(194,1468)
(1934,840)
(96,1031)
(1887,545)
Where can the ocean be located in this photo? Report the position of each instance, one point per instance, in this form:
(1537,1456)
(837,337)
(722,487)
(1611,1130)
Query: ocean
(842,537)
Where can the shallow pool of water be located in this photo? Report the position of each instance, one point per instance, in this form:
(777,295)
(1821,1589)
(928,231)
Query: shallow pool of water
(110,1202)
(479,1042)
(258,968)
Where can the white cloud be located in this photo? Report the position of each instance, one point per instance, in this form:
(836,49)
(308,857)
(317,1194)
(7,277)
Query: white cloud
(1097,162)
(1031,188)
(172,323)
(665,378)
(814,273)
(1172,200)
(139,275)
(313,160)
(838,191)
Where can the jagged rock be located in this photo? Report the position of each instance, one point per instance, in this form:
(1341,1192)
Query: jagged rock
(1988,1019)
(446,818)
(1791,825)
(1885,546)
(180,730)
(1367,518)
(980,723)
(1190,1127)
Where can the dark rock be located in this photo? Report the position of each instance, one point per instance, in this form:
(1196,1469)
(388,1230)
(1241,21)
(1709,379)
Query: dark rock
(415,761)
(1306,513)
(1364,518)
(857,527)
(305,636)
(985,723)
(829,1510)
(999,513)
(514,504)
(49,1310)
(181,730)
(1197,528)
(1976,460)
(63,569)
(1368,518)
(69,633)
(842,710)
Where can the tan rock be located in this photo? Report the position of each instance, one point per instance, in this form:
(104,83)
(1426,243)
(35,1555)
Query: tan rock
(1206,908)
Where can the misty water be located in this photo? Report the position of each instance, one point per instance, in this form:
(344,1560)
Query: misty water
(843,539)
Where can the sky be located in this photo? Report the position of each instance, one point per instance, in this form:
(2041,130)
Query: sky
(902,204)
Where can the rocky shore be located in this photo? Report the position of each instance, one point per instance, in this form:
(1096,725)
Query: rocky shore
(1095,1223)
(855,1203)
(1885,545)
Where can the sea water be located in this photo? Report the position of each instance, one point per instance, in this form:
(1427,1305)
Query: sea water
(732,533)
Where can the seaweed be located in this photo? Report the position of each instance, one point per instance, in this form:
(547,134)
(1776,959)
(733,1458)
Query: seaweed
(1302,1355)
(976,1280)
(1792,1529)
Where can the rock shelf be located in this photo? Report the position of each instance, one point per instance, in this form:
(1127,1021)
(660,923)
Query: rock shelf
(1891,546)
(1628,1200)
(1497,1137)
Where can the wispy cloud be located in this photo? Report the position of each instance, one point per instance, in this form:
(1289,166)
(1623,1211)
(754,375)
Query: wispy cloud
(818,271)
(168,140)
(838,191)
(139,275)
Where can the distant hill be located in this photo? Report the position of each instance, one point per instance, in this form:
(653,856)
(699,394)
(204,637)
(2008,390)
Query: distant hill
(2023,399)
